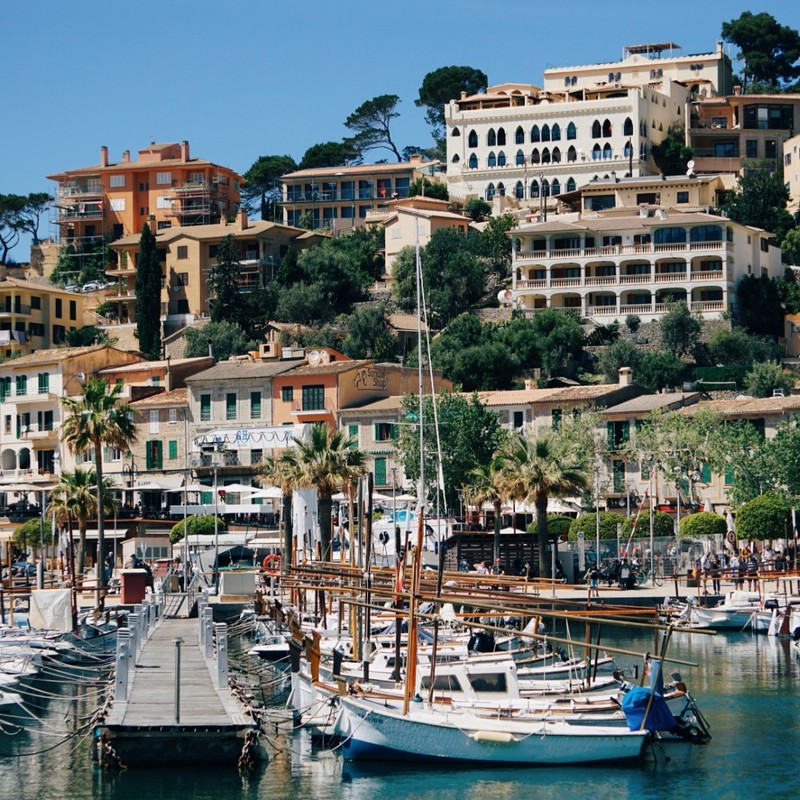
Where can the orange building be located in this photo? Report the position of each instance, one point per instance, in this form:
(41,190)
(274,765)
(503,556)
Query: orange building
(113,199)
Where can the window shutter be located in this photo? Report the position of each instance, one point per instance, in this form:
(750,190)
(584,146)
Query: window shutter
(609,435)
(705,473)
(395,431)
(377,432)
(626,432)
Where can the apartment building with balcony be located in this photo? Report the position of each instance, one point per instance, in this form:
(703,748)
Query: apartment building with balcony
(738,131)
(529,146)
(187,256)
(340,198)
(608,264)
(36,316)
(31,414)
(112,199)
(647,65)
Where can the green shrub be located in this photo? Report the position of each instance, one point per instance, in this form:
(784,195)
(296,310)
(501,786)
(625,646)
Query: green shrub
(557,525)
(588,524)
(704,523)
(764,517)
(663,525)
(199,525)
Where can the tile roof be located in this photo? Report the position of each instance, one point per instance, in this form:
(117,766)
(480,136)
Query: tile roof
(175,397)
(37,287)
(332,368)
(360,169)
(254,228)
(243,370)
(748,406)
(650,402)
(140,365)
(54,355)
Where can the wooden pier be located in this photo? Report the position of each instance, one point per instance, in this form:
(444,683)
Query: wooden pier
(162,717)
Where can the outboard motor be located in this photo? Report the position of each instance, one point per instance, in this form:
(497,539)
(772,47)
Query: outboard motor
(481,642)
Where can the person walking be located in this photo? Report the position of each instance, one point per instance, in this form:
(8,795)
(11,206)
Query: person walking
(716,573)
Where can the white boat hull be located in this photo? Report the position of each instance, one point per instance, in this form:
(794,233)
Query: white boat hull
(372,732)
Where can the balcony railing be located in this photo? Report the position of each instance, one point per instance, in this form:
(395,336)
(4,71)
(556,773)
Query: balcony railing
(298,409)
(619,250)
(618,309)
(682,276)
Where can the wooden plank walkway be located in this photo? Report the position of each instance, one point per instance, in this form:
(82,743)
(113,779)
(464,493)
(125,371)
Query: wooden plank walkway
(151,700)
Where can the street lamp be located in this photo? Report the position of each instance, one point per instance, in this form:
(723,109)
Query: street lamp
(597,512)
(217,455)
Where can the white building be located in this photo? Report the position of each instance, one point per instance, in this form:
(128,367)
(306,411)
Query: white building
(606,265)
(791,172)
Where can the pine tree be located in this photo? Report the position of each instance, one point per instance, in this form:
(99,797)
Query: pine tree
(223,280)
(148,296)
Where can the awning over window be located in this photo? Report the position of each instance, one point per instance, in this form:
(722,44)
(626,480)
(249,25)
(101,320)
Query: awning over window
(278,436)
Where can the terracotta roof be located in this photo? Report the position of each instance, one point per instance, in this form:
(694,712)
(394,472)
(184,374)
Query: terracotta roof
(748,406)
(140,166)
(55,355)
(176,397)
(405,322)
(360,169)
(243,370)
(140,365)
(561,394)
(254,228)
(34,287)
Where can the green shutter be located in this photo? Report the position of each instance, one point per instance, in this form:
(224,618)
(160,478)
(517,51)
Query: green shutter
(395,431)
(44,382)
(626,432)
(255,405)
(376,435)
(352,430)
(729,475)
(705,473)
(173,448)
(205,407)
(556,418)
(380,472)
(106,453)
(645,470)
(609,435)
(206,498)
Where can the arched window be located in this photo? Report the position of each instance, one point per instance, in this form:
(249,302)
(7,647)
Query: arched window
(535,135)
(556,156)
(501,189)
(572,131)
(545,133)
(567,81)
(627,127)
(535,159)
(534,188)
(456,132)
(571,185)
(596,129)
(473,161)
(572,154)
(606,128)
(555,187)
(491,138)
(607,153)
(490,191)
(555,133)
(545,188)
(501,137)
(546,155)
(519,159)
(574,80)
(472,139)
(456,158)
(611,77)
(519,136)
(492,160)
(618,77)
(519,190)
(652,73)
(501,159)
(597,153)
(628,150)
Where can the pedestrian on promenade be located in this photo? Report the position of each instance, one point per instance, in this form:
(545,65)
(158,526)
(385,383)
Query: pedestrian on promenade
(751,566)
(716,573)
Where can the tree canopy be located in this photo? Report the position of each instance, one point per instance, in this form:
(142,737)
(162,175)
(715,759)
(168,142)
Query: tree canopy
(760,201)
(20,213)
(371,122)
(671,154)
(225,338)
(223,280)
(680,329)
(330,154)
(770,52)
(763,517)
(261,189)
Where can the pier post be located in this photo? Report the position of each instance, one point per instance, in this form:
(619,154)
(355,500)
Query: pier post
(202,603)
(208,637)
(133,635)
(178,643)
(221,631)
(121,676)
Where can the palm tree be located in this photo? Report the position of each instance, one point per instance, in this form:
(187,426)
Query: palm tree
(487,485)
(96,418)
(327,461)
(282,471)
(552,464)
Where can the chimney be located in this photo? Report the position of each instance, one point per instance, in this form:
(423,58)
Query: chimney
(242,219)
(103,156)
(184,150)
(737,89)
(625,376)
(126,157)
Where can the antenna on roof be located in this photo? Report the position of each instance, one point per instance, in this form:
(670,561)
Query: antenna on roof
(690,170)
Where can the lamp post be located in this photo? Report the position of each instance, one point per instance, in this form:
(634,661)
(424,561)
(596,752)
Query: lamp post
(597,512)
(218,453)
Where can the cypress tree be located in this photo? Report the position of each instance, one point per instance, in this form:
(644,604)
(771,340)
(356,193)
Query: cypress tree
(148,296)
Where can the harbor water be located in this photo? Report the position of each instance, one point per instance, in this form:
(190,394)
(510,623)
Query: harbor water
(746,686)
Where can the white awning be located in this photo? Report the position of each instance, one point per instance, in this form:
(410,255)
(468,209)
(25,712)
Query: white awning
(108,533)
(164,483)
(278,436)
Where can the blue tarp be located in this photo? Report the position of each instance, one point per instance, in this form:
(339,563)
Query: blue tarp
(634,704)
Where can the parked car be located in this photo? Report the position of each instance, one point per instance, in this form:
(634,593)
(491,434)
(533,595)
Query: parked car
(93,286)
(72,287)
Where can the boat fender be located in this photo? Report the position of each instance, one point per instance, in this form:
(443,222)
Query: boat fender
(493,737)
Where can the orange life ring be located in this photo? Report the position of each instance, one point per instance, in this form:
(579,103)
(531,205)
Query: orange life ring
(272,564)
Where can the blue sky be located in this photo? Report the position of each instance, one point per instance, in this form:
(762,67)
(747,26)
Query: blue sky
(246,78)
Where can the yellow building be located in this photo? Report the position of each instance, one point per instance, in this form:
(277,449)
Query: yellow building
(34,316)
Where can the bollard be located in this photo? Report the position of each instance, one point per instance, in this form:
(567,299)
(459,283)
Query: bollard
(121,677)
(208,638)
(221,631)
(201,607)
(133,634)
(178,643)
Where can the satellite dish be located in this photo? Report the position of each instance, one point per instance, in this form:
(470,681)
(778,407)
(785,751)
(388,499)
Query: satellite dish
(690,166)
(324,357)
(504,296)
(313,358)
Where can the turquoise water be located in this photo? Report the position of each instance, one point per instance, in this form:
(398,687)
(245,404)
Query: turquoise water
(747,687)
